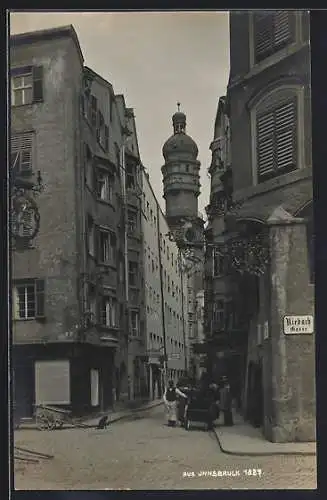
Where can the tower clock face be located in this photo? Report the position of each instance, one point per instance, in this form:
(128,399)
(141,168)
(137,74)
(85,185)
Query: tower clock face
(25,218)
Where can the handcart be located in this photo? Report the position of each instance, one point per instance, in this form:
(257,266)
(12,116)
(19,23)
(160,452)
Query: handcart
(51,417)
(200,410)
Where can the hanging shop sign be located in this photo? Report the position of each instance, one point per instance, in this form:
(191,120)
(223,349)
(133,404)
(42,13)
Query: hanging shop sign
(298,324)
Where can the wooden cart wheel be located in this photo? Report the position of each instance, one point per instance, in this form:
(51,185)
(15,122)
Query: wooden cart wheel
(51,423)
(42,422)
(59,424)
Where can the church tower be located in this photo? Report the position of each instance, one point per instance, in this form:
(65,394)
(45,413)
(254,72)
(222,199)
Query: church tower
(181,181)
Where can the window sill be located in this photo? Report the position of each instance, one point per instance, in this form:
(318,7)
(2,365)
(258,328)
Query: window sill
(40,319)
(270,61)
(15,106)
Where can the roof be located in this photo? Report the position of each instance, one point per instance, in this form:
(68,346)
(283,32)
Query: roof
(47,34)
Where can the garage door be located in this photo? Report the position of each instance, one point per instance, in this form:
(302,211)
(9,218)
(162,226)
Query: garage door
(52,382)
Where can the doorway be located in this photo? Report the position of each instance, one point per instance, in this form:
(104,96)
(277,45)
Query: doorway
(94,387)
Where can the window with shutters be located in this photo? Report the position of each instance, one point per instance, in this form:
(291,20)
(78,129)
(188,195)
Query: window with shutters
(276,140)
(21,152)
(28,299)
(272,32)
(26,85)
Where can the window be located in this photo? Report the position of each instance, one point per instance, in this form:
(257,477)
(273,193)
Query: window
(135,323)
(132,221)
(107,246)
(187,168)
(218,263)
(218,314)
(132,273)
(89,174)
(28,299)
(130,177)
(277,140)
(100,131)
(93,112)
(91,236)
(104,185)
(106,138)
(272,32)
(26,85)
(108,311)
(21,158)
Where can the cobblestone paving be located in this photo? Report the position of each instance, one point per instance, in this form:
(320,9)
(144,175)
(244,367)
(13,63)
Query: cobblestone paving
(144,453)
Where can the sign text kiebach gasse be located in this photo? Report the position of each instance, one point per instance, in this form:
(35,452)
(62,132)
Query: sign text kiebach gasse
(298,324)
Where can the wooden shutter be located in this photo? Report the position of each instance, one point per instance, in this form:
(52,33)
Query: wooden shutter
(263,35)
(286,133)
(40,298)
(21,151)
(282,27)
(265,144)
(37,83)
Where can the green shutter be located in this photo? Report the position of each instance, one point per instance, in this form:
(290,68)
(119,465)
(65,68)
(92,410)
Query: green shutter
(37,84)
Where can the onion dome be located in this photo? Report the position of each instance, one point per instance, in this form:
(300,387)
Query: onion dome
(180,144)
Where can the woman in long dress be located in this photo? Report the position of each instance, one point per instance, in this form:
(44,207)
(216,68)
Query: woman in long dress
(170,400)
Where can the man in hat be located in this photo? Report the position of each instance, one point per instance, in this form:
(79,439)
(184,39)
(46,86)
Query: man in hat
(170,398)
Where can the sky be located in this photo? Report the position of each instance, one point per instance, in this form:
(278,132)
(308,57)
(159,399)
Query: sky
(155,59)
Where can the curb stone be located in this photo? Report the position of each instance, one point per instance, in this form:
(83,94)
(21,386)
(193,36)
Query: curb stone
(262,453)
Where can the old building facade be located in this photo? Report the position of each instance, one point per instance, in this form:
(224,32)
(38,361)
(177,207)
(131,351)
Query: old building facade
(261,203)
(181,181)
(72,344)
(165,296)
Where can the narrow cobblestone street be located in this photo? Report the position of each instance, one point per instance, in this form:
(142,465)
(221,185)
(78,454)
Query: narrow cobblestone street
(143,453)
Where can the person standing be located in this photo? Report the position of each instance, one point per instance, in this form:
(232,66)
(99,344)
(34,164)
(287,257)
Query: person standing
(170,398)
(226,403)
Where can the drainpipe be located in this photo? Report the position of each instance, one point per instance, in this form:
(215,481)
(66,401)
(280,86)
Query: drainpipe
(183,313)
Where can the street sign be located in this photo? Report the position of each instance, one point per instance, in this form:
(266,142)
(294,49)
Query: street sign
(298,324)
